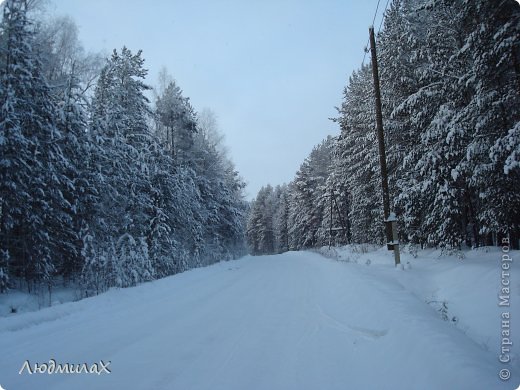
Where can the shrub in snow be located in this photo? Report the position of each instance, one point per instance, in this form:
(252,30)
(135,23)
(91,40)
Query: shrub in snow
(411,249)
(360,249)
(442,308)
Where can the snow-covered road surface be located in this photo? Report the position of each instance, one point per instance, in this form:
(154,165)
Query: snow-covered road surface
(292,321)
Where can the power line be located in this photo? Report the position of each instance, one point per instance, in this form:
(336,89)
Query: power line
(375,13)
(373,20)
(383,17)
(366,50)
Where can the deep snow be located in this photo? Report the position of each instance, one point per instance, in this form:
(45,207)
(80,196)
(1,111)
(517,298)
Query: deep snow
(291,321)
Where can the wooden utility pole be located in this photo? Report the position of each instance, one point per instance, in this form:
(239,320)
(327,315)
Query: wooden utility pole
(379,124)
(382,153)
(343,223)
(330,222)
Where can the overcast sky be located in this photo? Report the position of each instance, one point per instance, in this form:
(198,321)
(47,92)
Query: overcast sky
(272,71)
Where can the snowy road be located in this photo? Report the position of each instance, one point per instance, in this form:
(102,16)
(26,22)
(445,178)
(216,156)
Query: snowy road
(293,321)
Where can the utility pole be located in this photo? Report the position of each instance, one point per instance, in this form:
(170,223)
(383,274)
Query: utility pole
(390,225)
(330,222)
(343,223)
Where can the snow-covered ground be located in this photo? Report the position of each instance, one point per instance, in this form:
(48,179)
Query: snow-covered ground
(20,301)
(291,321)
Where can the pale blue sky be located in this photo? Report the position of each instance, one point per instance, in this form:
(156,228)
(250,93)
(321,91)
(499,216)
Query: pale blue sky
(272,71)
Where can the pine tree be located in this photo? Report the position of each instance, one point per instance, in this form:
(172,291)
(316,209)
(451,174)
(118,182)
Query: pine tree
(492,45)
(4,271)
(260,232)
(177,118)
(35,213)
(122,159)
(80,193)
(357,161)
(281,220)
(308,198)
(134,265)
(93,273)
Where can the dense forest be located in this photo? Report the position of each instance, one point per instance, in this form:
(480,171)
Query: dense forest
(99,186)
(108,182)
(450,84)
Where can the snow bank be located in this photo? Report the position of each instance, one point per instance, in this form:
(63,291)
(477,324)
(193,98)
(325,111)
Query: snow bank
(462,287)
